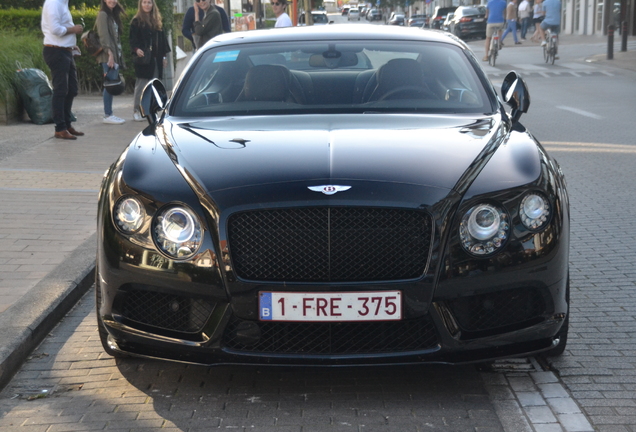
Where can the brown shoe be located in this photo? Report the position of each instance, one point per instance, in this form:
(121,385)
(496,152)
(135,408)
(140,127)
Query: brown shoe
(65,135)
(75,132)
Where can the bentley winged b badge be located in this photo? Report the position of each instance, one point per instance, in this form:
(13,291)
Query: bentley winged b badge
(329,189)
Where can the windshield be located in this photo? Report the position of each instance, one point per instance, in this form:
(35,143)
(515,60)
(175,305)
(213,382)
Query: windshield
(320,18)
(328,77)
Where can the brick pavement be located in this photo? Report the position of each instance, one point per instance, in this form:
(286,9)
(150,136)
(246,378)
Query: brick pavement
(48,193)
(48,196)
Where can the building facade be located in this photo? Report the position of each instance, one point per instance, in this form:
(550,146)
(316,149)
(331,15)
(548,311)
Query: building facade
(582,17)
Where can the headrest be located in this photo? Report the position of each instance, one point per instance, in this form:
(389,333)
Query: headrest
(267,83)
(399,72)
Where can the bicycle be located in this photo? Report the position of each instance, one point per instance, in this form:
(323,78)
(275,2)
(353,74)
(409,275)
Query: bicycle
(495,46)
(550,49)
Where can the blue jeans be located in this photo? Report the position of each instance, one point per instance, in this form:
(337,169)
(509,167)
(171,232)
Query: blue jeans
(512,28)
(525,25)
(108,98)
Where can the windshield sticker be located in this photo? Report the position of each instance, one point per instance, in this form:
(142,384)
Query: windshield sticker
(226,56)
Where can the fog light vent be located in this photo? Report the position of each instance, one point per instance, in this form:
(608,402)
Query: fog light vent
(166,311)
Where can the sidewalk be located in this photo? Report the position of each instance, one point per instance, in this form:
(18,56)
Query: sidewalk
(48,197)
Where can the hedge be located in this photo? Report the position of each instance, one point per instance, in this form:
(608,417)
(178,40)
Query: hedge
(20,42)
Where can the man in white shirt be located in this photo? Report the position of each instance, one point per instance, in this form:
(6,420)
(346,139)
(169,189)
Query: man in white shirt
(525,15)
(282,19)
(59,47)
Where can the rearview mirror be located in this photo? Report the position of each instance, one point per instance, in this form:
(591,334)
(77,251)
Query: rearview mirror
(153,99)
(515,93)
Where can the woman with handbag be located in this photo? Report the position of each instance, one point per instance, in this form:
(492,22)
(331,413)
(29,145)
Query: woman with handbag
(109,28)
(149,46)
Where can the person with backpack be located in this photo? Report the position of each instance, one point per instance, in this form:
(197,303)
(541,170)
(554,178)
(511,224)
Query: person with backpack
(109,28)
(60,45)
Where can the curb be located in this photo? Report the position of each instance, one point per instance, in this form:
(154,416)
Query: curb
(27,322)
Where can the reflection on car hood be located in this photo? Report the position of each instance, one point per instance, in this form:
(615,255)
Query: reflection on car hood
(227,152)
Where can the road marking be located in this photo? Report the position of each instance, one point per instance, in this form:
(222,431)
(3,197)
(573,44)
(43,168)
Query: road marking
(580,112)
(564,146)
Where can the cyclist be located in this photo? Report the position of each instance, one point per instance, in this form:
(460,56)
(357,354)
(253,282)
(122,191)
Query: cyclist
(496,17)
(551,21)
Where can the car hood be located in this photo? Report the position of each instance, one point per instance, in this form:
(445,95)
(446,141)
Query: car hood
(228,153)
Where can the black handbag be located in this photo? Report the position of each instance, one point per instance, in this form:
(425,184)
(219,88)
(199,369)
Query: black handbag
(145,59)
(114,82)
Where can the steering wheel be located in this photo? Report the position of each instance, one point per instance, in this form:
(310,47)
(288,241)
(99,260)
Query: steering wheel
(409,90)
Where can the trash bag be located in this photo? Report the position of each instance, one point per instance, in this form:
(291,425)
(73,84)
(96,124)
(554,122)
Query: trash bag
(36,93)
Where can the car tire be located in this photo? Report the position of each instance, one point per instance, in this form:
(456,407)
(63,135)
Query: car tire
(101,329)
(563,332)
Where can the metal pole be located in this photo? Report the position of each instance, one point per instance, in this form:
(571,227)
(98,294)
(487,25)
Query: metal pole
(624,36)
(610,42)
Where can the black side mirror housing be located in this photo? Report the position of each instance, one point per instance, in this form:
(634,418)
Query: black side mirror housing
(515,94)
(153,99)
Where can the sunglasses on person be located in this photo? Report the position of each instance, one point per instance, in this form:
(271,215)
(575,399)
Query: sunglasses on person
(277,4)
(199,1)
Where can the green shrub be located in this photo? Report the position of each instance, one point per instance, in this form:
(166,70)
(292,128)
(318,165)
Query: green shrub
(19,50)
(20,42)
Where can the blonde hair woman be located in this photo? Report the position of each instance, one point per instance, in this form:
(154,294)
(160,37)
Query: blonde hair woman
(149,46)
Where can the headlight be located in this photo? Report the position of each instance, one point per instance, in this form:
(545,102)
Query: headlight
(534,211)
(129,215)
(177,232)
(484,229)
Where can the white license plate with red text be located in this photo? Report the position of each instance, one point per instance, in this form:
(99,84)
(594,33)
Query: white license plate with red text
(321,306)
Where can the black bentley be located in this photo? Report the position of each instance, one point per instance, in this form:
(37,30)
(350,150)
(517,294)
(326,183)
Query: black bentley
(334,195)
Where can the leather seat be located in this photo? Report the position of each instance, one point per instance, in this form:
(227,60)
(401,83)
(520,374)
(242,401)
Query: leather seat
(269,83)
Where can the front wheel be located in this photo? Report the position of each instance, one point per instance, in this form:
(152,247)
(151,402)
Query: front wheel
(492,56)
(552,53)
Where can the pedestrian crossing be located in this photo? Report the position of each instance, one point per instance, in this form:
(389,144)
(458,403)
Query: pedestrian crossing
(558,70)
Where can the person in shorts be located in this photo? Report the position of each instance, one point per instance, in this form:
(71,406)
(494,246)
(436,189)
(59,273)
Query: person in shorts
(552,19)
(496,17)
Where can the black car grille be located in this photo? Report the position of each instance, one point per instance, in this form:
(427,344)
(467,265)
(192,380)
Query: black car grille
(332,338)
(319,244)
(501,309)
(166,311)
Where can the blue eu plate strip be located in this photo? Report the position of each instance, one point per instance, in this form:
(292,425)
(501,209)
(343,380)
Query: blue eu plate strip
(266,306)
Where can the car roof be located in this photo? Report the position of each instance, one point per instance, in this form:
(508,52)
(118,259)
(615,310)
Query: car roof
(341,32)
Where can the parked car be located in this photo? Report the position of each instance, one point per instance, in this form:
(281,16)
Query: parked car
(439,15)
(345,11)
(296,202)
(396,19)
(446,23)
(417,20)
(354,14)
(468,21)
(319,18)
(374,15)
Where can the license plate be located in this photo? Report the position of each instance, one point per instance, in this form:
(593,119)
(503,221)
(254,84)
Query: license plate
(478,20)
(321,307)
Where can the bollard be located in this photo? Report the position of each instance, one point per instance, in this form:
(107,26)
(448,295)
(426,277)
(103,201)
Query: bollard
(610,42)
(624,36)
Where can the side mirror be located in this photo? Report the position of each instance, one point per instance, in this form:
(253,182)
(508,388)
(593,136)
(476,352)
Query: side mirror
(515,93)
(153,99)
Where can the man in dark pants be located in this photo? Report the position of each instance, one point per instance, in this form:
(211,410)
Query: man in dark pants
(59,48)
(188,23)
